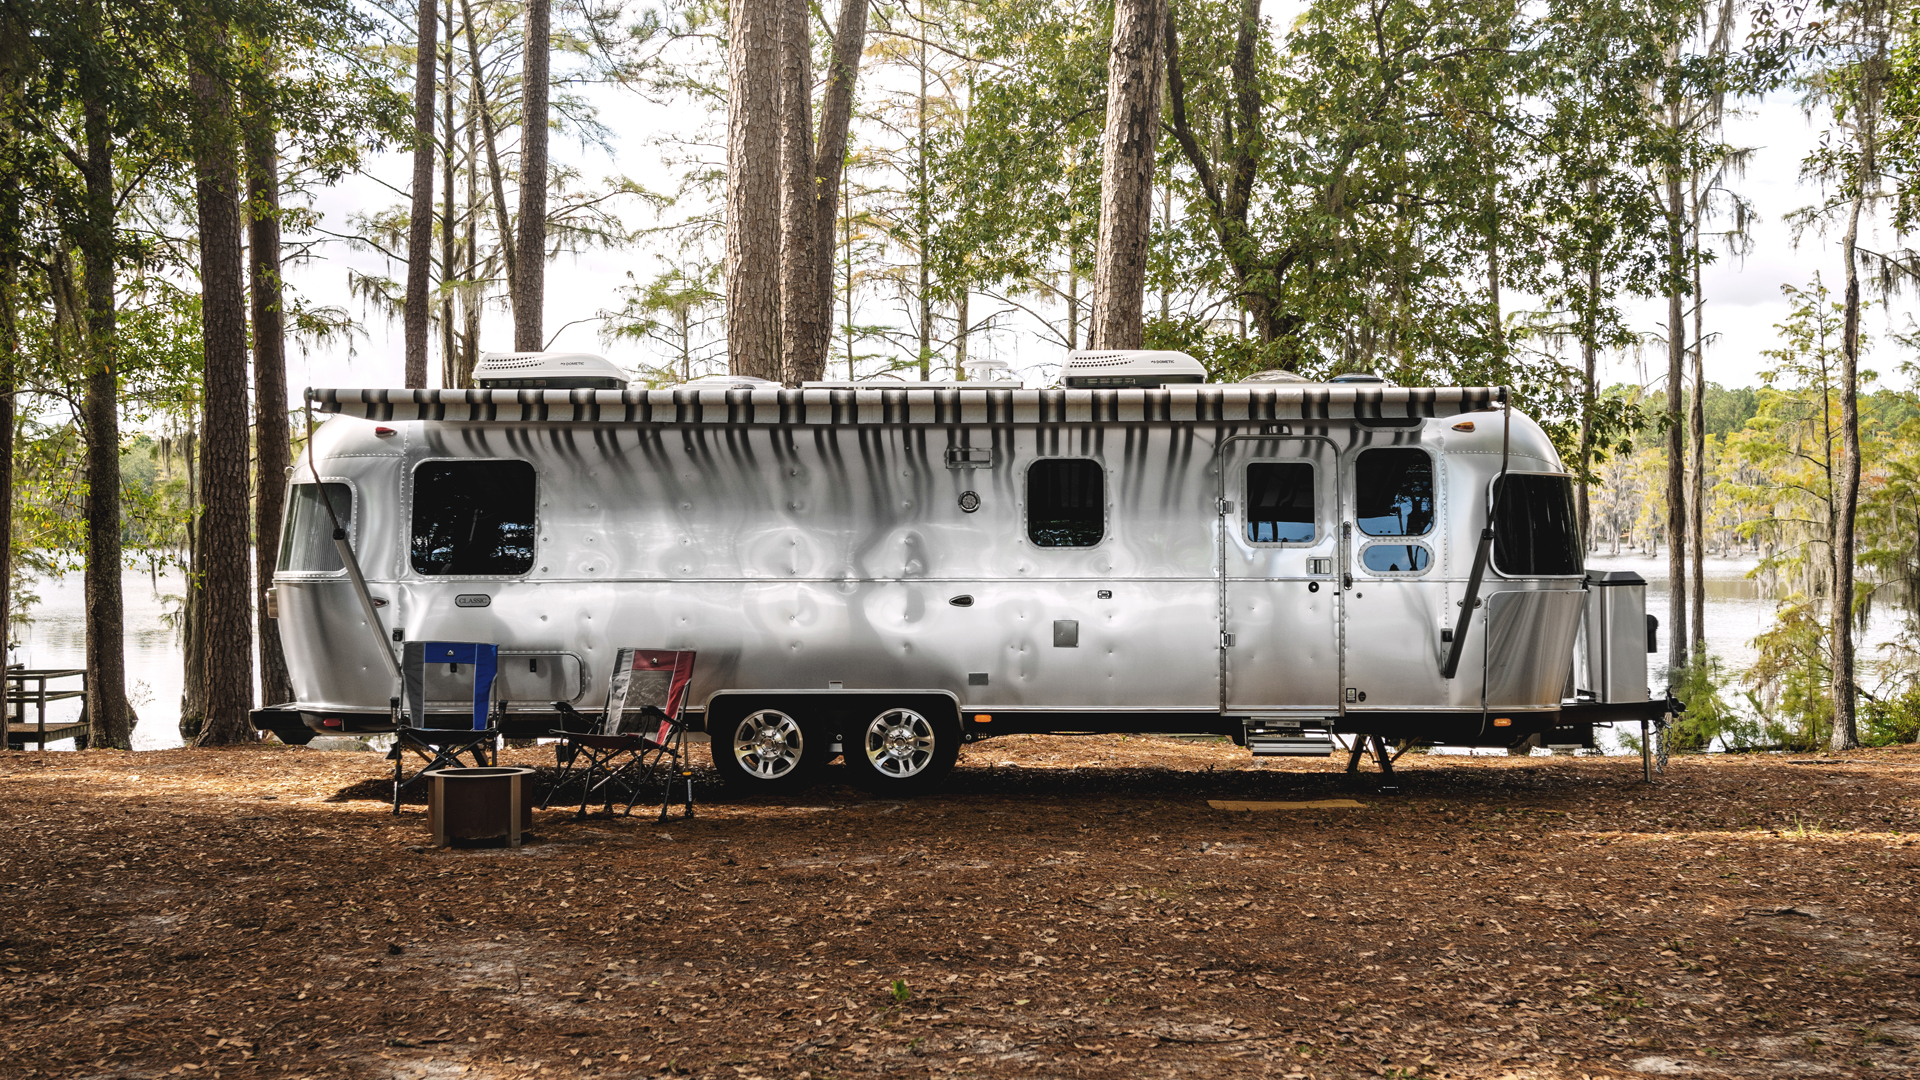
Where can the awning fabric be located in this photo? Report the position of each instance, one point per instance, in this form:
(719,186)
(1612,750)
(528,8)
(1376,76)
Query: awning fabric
(907,406)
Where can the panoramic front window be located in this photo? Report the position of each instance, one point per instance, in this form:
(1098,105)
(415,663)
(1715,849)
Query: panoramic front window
(473,518)
(1535,532)
(1393,491)
(1066,503)
(1280,502)
(306,540)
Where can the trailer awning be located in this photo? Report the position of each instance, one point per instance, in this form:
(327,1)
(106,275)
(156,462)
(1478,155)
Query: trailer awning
(891,406)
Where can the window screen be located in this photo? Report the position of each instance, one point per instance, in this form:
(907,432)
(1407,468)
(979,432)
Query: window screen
(1393,491)
(1280,502)
(306,540)
(1396,558)
(1535,533)
(1066,503)
(473,518)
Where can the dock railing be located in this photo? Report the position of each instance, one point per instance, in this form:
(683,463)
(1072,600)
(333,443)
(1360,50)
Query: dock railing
(20,731)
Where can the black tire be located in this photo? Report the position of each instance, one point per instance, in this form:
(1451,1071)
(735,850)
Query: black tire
(904,749)
(765,747)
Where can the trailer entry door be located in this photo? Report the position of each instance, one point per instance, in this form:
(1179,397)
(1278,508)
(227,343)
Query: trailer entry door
(1279,593)
(1394,559)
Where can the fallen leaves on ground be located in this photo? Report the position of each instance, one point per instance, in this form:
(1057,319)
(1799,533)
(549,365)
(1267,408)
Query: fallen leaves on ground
(1064,908)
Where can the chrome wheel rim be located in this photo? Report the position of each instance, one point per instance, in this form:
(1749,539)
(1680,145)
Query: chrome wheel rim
(768,744)
(900,743)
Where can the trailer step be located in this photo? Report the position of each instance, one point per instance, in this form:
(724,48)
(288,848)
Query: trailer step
(1305,744)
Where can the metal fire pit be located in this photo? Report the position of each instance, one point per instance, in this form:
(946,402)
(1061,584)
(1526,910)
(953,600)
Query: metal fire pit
(485,807)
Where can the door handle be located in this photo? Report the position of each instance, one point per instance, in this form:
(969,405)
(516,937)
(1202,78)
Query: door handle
(1346,581)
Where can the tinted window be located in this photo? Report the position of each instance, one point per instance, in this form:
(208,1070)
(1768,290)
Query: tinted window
(306,540)
(1393,491)
(1066,503)
(1280,502)
(1535,533)
(473,518)
(1396,558)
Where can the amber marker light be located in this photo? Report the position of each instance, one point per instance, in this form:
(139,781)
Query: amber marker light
(1464,425)
(1503,721)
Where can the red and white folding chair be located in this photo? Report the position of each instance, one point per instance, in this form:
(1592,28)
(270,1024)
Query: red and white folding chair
(617,765)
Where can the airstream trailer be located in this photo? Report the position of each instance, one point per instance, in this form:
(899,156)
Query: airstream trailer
(881,572)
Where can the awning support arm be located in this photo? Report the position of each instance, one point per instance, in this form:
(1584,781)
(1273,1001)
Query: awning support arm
(1481,554)
(347,557)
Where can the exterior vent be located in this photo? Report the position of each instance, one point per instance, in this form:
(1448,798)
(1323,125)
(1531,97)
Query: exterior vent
(1130,368)
(547,371)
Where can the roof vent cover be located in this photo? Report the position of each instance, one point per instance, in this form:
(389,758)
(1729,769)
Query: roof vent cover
(547,371)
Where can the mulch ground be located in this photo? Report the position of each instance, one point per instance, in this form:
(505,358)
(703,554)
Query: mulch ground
(1069,907)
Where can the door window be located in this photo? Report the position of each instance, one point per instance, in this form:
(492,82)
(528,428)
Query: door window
(306,540)
(1393,491)
(1396,558)
(1280,502)
(1535,532)
(473,518)
(1066,502)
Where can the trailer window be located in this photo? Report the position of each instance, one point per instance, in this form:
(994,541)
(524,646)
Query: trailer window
(1280,502)
(306,539)
(1396,558)
(1393,491)
(473,518)
(1066,503)
(1535,532)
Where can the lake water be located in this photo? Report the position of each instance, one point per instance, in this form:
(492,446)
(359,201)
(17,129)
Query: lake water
(1736,612)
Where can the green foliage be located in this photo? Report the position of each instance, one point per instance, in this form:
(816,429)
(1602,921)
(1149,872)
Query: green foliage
(1708,717)
(1891,721)
(901,994)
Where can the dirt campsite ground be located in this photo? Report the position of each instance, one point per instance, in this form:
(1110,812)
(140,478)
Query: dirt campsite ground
(1070,907)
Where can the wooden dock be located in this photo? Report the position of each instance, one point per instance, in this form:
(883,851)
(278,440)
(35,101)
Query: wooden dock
(21,730)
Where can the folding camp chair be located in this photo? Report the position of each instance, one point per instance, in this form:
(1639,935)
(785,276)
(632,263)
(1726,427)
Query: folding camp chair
(618,765)
(442,747)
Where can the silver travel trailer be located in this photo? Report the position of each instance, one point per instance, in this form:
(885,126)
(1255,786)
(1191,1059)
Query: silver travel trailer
(881,572)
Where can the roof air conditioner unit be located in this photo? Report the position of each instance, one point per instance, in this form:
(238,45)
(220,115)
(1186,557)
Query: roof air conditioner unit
(1129,368)
(547,371)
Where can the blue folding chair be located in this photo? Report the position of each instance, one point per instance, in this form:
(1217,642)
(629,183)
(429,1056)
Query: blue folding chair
(441,747)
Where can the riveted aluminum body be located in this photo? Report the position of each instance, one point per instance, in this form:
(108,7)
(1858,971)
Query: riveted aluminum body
(879,539)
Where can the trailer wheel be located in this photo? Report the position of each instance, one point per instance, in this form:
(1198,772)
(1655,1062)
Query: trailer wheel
(905,750)
(766,749)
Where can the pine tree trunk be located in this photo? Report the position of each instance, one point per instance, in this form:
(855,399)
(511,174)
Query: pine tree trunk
(193,685)
(498,185)
(449,355)
(1587,358)
(420,216)
(1697,451)
(272,448)
(10,363)
(829,163)
(1677,639)
(753,190)
(960,330)
(530,297)
(923,211)
(109,714)
(223,443)
(1134,73)
(800,311)
(470,309)
(1846,496)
